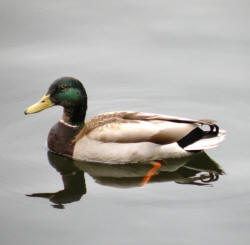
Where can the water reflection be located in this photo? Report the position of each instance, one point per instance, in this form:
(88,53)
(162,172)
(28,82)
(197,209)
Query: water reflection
(73,181)
(199,169)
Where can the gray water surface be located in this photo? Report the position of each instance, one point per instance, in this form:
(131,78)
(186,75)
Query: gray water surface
(183,58)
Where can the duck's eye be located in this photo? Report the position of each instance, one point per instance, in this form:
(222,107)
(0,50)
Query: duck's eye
(62,89)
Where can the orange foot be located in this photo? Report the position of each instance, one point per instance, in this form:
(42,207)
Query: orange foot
(151,172)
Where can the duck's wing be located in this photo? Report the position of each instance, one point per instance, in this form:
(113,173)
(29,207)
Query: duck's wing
(152,116)
(134,127)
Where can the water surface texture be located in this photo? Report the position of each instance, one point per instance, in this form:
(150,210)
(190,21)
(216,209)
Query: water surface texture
(183,58)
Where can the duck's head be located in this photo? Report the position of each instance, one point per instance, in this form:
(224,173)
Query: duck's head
(67,92)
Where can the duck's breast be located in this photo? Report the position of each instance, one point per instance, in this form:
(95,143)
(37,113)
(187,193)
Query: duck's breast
(60,139)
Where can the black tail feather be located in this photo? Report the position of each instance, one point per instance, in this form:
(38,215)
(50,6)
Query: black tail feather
(197,134)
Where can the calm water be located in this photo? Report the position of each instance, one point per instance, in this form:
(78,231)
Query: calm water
(184,58)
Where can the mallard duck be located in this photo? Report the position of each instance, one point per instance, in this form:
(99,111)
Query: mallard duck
(120,137)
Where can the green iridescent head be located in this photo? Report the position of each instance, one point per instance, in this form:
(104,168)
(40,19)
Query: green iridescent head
(67,92)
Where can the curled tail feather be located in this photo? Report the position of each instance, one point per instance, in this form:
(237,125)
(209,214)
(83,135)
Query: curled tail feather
(199,139)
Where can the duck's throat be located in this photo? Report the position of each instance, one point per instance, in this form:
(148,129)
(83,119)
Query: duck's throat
(74,116)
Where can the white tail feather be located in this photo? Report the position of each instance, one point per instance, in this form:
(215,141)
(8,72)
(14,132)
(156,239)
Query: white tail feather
(208,143)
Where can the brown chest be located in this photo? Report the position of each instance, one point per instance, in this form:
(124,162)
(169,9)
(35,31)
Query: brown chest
(60,139)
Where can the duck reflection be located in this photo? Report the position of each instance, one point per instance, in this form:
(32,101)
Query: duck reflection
(73,181)
(198,169)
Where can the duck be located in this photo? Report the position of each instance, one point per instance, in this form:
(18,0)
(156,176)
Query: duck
(121,137)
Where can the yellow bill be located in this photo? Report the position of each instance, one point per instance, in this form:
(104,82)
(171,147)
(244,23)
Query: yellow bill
(42,104)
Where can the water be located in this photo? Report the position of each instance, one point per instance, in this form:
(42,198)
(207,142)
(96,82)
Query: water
(178,58)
